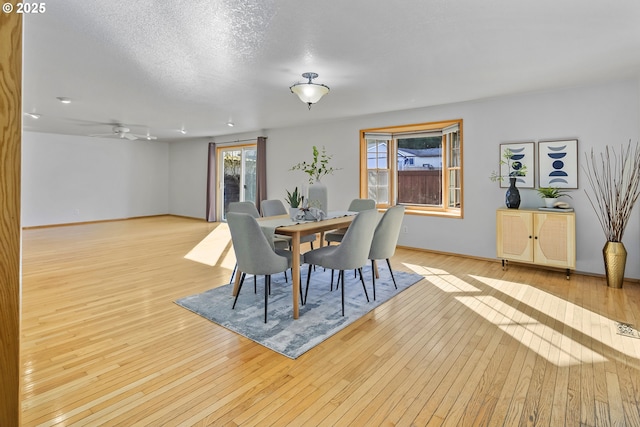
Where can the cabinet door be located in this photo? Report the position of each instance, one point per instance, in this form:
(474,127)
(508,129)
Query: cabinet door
(555,240)
(514,235)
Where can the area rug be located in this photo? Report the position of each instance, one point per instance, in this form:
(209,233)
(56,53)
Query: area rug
(319,319)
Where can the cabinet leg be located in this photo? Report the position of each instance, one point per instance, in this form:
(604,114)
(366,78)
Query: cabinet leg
(568,273)
(504,264)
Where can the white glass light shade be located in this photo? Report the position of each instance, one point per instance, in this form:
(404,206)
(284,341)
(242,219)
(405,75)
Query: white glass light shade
(309,93)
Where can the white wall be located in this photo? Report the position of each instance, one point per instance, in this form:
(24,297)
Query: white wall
(58,179)
(188,178)
(597,115)
(67,179)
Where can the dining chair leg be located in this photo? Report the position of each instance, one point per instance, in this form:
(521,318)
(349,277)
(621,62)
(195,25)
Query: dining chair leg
(233,273)
(331,284)
(238,293)
(306,292)
(341,275)
(255,284)
(267,285)
(363,285)
(373,277)
(391,271)
(286,280)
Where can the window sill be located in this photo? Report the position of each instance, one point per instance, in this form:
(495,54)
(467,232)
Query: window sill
(424,212)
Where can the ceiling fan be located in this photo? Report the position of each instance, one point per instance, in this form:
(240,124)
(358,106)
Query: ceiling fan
(122,132)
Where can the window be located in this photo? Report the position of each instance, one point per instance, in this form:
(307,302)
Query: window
(419,166)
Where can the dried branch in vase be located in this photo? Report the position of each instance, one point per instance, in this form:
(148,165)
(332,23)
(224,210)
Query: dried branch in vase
(615,182)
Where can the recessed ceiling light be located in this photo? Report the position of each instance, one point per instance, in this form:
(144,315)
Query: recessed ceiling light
(230,124)
(33,115)
(183,131)
(64,99)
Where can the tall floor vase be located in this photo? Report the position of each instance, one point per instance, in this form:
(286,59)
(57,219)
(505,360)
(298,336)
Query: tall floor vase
(615,259)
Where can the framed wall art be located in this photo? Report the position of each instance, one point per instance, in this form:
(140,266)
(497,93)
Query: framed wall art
(558,163)
(522,157)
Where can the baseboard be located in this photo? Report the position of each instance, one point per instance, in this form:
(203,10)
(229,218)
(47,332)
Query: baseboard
(562,270)
(68,224)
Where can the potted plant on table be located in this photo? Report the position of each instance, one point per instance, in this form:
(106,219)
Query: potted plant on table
(550,195)
(294,199)
(516,169)
(615,182)
(316,169)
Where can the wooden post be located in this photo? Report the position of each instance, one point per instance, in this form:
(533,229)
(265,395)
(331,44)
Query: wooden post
(10,234)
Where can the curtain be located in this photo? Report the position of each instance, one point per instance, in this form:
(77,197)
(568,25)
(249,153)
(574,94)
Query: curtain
(261,171)
(211,184)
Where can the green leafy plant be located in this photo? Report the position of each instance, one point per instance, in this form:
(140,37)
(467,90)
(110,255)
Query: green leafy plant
(552,192)
(317,168)
(294,198)
(515,168)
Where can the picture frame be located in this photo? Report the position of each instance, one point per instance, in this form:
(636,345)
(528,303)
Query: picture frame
(523,153)
(558,163)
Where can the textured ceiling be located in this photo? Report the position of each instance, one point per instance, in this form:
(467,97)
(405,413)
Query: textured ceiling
(159,66)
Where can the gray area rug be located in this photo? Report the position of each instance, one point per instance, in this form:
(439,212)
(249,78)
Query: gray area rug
(319,319)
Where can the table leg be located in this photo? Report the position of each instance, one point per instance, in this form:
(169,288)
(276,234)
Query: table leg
(236,282)
(295,272)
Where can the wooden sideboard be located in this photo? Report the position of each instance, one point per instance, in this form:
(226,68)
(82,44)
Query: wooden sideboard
(545,238)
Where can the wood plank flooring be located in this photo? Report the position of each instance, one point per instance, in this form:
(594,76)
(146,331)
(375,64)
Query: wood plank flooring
(103,344)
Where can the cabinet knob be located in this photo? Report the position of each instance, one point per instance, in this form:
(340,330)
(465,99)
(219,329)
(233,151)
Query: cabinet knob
(536,237)
(529,236)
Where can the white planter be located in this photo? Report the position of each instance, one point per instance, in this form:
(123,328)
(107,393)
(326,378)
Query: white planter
(318,196)
(549,202)
(293,213)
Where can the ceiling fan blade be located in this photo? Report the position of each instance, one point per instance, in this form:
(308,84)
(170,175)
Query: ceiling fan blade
(129,136)
(149,137)
(102,135)
(112,122)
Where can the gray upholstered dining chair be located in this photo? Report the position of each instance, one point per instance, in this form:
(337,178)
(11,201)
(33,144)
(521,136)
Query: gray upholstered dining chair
(350,254)
(275,207)
(248,207)
(356,205)
(255,253)
(385,239)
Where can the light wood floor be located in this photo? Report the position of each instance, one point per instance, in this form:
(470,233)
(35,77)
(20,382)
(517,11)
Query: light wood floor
(104,344)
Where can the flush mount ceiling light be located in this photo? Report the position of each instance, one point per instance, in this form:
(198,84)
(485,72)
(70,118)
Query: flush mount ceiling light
(309,92)
(64,99)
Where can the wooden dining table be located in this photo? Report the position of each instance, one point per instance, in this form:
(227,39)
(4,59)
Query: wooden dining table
(296,230)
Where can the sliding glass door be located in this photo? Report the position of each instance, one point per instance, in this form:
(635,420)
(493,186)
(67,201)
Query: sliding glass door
(237,176)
